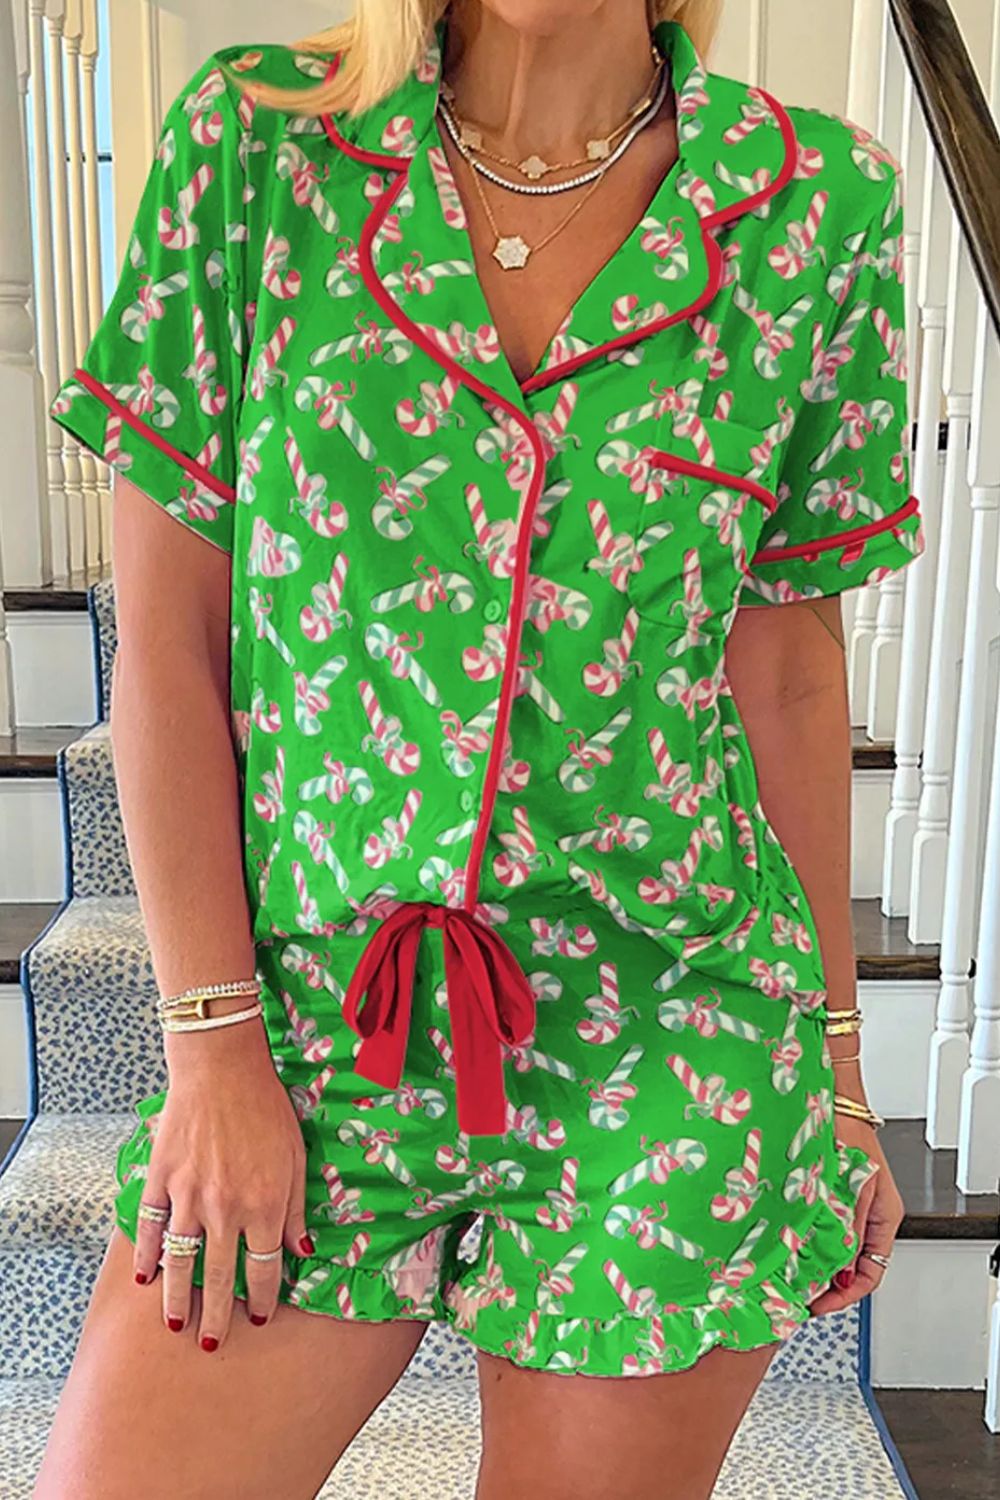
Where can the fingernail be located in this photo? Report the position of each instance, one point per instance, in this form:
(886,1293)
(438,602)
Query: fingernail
(306,1245)
(258,1318)
(208,1343)
(141,1277)
(175,1324)
(843,1280)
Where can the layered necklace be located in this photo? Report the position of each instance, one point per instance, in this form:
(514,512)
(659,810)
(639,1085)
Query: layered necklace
(512,250)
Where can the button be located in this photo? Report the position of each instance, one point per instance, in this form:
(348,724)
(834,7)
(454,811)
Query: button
(492,610)
(467,801)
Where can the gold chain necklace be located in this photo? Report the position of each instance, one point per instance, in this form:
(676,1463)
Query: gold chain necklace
(535,166)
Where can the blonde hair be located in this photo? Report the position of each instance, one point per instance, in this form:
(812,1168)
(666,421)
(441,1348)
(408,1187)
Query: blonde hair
(385,39)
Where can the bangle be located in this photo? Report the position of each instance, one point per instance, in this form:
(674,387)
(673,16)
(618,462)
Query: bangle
(851,1057)
(210,1022)
(193,1002)
(844,1105)
(229,987)
(843,1022)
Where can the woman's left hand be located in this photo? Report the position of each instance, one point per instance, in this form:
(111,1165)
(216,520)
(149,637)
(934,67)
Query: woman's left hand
(878,1217)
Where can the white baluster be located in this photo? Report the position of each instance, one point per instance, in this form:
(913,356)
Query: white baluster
(758,43)
(55,16)
(21,531)
(979,1120)
(919,603)
(950,1043)
(72,32)
(58,443)
(889,131)
(89,52)
(930,846)
(886,651)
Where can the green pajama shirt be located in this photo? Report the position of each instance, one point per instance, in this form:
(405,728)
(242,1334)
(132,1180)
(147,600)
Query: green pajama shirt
(542,983)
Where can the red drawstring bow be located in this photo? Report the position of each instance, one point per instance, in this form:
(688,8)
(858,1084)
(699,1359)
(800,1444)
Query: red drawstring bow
(490,1002)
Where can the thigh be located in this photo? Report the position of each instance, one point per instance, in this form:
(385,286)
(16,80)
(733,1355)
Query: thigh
(147,1412)
(584,1437)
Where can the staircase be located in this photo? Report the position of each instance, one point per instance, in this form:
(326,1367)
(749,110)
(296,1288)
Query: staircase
(80,971)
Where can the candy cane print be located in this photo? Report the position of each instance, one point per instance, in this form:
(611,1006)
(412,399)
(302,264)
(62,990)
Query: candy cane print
(525,1126)
(338,782)
(398,649)
(463,741)
(443,1048)
(423,418)
(611,831)
(704,1016)
(661,1158)
(355,1250)
(617,556)
(431,587)
(392,842)
(292,165)
(806,1183)
(737,940)
(261,606)
(182,234)
(376,1147)
(327,517)
(530,687)
(779,1310)
(556,1282)
(677,785)
(524,1058)
(800,249)
(819,1112)
(269,803)
(709,1096)
(678,875)
(283,284)
(586,755)
(606,1013)
(302,1289)
(640,1301)
(495,541)
(828,359)
(610,1096)
(559,938)
(212,396)
(727,1276)
(400,756)
(325,614)
(746,838)
(609,676)
(398,496)
(563,1208)
(743,1185)
(648,1230)
(306,1097)
(265,372)
(330,405)
(794,1243)
(311,696)
(147,309)
(786,1054)
(304,1033)
(554,604)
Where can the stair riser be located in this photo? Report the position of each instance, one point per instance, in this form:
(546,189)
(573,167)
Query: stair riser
(930,1320)
(53,667)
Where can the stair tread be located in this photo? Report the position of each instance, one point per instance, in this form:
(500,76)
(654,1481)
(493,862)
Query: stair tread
(20,924)
(935,1209)
(32,750)
(799,1439)
(67,592)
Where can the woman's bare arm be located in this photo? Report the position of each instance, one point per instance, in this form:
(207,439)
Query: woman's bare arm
(175,763)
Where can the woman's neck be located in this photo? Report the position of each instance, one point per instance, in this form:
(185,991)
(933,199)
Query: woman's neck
(548,91)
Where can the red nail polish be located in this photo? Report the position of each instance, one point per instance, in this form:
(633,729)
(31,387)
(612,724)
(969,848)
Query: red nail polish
(175,1324)
(306,1245)
(208,1343)
(843,1280)
(141,1277)
(258,1319)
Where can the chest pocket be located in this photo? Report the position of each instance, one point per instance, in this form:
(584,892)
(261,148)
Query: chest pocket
(707,495)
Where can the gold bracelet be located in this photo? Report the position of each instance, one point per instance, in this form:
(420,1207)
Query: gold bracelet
(844,1022)
(851,1057)
(843,1105)
(210,1023)
(193,1002)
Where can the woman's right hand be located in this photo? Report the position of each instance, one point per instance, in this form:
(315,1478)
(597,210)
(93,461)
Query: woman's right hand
(227,1157)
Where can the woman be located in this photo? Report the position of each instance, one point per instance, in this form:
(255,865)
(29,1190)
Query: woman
(459,740)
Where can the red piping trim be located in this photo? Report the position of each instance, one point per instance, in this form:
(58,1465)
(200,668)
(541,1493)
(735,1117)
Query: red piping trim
(810,550)
(459,372)
(189,465)
(518,603)
(660,458)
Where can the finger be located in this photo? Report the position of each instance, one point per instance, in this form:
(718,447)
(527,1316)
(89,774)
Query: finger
(221,1243)
(263,1277)
(178,1269)
(296,1236)
(862,1213)
(149,1233)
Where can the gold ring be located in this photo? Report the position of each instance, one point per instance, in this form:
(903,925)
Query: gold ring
(154,1213)
(880,1260)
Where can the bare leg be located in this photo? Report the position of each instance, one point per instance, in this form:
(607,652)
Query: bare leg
(577,1437)
(146,1414)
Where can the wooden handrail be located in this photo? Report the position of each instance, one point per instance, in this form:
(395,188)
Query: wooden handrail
(961,127)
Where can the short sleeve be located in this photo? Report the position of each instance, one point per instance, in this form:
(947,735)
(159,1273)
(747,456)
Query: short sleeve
(845,515)
(157,392)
